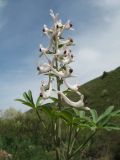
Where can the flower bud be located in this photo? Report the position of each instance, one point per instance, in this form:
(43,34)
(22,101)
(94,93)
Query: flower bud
(70,70)
(43,30)
(38,68)
(41,95)
(71,40)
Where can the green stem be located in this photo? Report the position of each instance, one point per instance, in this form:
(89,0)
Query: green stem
(73,141)
(81,147)
(40,118)
(69,140)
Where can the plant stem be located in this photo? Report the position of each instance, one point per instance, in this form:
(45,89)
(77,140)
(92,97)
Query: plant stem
(69,141)
(73,141)
(58,140)
(81,147)
(40,118)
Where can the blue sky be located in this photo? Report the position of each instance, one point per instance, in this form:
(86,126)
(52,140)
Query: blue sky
(96,34)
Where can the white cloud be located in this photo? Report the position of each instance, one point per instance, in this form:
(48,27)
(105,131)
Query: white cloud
(100,48)
(106,3)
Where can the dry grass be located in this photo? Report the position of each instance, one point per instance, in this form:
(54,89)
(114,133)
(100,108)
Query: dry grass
(4,155)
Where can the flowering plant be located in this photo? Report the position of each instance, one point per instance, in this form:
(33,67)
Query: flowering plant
(63,112)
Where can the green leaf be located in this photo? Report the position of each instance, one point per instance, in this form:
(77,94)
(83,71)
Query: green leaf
(104,121)
(82,114)
(20,100)
(38,104)
(67,115)
(54,99)
(94,115)
(50,111)
(26,97)
(83,126)
(76,111)
(61,45)
(106,113)
(25,103)
(112,127)
(115,113)
(30,96)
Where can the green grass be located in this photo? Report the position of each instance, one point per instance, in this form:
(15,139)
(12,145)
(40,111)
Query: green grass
(103,92)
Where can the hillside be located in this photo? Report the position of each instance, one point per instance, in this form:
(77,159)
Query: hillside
(103,91)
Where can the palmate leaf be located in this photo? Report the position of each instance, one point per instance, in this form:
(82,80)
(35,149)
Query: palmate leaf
(27,99)
(25,103)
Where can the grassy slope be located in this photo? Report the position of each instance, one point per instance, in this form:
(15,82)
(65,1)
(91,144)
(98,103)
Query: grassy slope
(103,92)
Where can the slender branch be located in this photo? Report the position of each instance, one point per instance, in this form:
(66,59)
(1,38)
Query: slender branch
(81,147)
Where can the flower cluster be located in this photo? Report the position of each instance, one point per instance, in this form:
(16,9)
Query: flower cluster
(58,65)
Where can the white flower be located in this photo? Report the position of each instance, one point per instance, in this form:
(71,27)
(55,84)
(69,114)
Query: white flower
(58,22)
(64,73)
(61,52)
(67,59)
(47,31)
(78,104)
(44,68)
(44,87)
(45,51)
(67,42)
(46,90)
(68,25)
(74,87)
(54,16)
